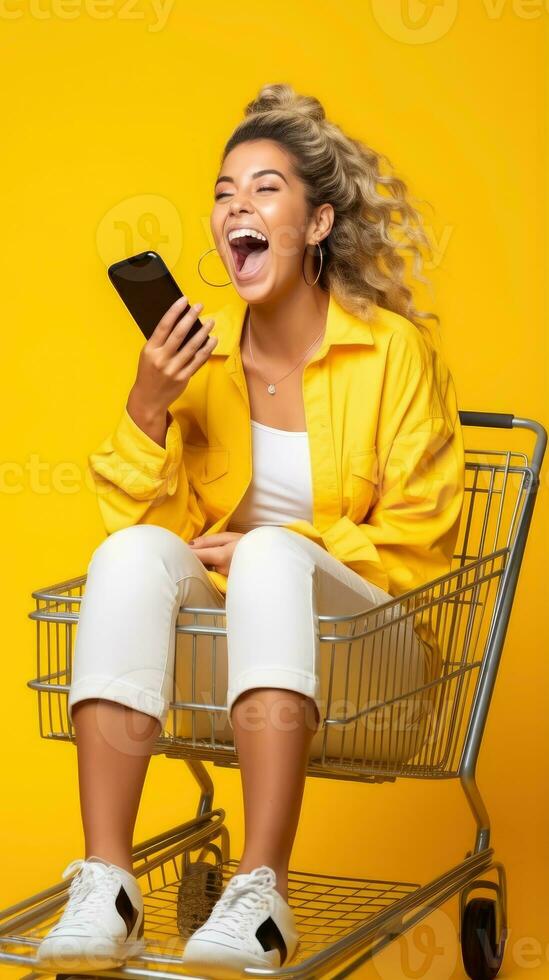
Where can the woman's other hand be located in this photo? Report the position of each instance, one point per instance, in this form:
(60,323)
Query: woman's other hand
(216,550)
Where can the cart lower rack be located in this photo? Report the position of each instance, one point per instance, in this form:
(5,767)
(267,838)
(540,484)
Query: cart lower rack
(388,715)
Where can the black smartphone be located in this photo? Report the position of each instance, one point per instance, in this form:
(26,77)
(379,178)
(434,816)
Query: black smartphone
(147,288)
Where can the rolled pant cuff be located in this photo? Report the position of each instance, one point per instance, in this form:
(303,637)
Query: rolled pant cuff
(293,680)
(114,689)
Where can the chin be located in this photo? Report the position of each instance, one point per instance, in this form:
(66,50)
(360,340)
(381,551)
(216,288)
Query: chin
(255,291)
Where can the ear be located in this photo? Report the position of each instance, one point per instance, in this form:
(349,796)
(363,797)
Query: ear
(323,221)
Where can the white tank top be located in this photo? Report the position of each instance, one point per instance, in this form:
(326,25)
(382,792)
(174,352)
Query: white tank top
(281,488)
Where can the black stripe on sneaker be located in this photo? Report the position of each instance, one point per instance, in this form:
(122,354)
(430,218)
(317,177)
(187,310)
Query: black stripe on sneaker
(270,937)
(126,909)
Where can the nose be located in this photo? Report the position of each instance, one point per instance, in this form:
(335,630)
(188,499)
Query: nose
(237,208)
(239,201)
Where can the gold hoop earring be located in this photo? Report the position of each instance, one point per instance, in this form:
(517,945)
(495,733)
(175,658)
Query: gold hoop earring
(207,280)
(320,269)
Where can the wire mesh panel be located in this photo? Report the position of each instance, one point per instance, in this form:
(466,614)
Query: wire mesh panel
(183,874)
(341,920)
(398,681)
(56,615)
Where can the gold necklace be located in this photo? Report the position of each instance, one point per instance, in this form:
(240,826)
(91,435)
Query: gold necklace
(271,385)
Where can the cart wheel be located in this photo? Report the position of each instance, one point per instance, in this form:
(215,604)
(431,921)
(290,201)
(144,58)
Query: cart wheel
(482,956)
(78,976)
(199,890)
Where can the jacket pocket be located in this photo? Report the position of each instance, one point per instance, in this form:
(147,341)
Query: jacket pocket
(210,476)
(364,476)
(205,463)
(216,464)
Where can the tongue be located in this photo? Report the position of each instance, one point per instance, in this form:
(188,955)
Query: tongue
(254,260)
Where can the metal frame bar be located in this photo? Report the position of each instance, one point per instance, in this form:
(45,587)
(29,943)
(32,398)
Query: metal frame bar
(382,928)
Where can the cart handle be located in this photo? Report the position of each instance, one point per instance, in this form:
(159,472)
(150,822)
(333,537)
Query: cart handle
(503,420)
(500,420)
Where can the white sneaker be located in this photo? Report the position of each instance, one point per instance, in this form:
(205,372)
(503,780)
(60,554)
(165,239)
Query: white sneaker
(250,925)
(102,923)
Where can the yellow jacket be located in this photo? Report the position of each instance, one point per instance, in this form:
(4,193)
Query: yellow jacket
(386,450)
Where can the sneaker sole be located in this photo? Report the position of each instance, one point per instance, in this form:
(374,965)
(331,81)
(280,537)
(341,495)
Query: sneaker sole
(79,956)
(228,962)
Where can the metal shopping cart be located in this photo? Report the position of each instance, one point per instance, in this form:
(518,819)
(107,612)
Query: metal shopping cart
(387,717)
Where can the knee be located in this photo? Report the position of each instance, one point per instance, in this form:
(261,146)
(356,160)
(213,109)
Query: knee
(140,545)
(271,548)
(260,543)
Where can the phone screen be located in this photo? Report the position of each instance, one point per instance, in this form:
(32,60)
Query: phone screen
(148,289)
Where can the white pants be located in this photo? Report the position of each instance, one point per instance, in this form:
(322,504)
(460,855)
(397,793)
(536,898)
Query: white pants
(278,582)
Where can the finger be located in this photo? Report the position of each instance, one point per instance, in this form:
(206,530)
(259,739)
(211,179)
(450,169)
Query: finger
(207,556)
(211,539)
(166,323)
(181,329)
(185,369)
(198,346)
(210,555)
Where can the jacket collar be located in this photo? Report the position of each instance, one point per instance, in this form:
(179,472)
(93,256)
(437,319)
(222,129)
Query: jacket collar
(342,327)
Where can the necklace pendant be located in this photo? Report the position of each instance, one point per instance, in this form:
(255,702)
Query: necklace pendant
(271,389)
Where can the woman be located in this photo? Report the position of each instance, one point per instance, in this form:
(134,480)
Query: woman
(321,370)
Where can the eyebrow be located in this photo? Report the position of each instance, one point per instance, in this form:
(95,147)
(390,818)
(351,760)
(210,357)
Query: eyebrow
(258,173)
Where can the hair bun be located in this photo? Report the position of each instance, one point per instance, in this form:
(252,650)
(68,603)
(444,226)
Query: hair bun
(281,96)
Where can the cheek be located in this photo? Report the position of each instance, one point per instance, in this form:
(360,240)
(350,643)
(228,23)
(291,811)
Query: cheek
(287,224)
(216,227)
(219,241)
(286,243)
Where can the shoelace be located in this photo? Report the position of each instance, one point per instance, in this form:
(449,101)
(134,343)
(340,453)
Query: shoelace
(243,893)
(94,882)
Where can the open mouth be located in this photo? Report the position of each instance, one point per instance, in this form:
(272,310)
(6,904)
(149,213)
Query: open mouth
(249,255)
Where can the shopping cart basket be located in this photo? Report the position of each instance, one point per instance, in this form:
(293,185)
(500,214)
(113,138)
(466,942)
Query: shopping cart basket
(388,715)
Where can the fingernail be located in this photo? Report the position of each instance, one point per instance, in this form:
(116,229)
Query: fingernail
(193,540)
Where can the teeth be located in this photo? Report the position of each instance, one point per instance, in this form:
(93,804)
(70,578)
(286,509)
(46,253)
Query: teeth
(241,232)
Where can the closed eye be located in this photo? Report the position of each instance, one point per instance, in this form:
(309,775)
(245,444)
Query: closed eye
(224,193)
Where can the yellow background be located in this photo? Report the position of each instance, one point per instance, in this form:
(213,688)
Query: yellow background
(117,113)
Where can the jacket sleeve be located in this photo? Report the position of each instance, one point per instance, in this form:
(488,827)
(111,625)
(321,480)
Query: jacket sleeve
(411,530)
(415,522)
(133,476)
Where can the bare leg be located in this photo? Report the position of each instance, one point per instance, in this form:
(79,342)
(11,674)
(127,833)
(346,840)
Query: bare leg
(273,731)
(114,745)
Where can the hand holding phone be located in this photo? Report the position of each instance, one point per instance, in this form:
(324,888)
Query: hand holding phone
(165,364)
(177,342)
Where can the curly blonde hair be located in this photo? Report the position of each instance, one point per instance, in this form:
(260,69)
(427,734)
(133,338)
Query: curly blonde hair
(362,265)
